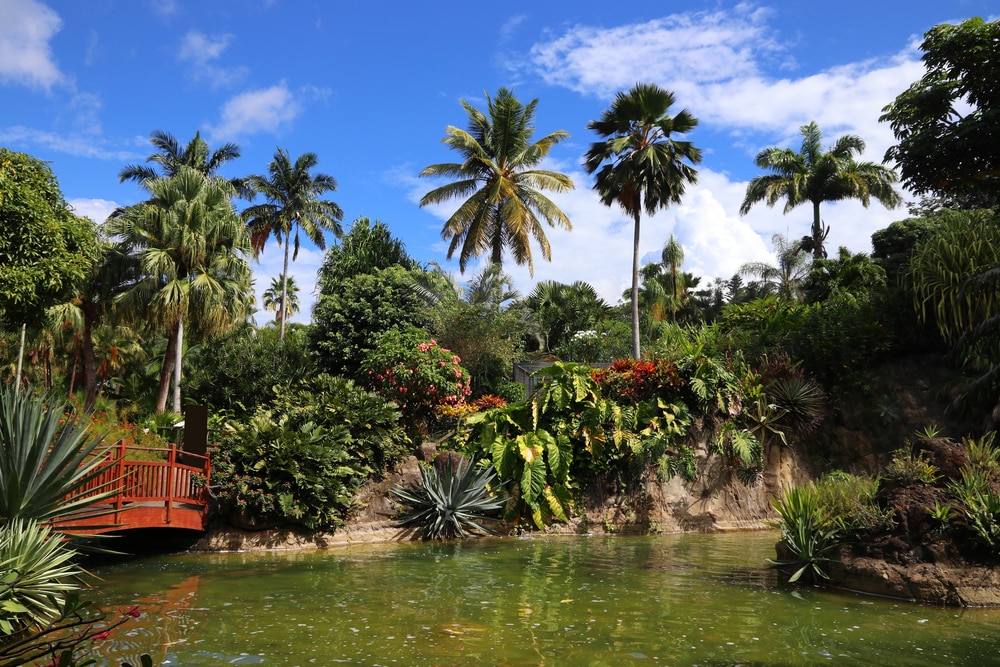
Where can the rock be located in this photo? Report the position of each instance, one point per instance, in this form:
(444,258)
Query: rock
(945,454)
(427,451)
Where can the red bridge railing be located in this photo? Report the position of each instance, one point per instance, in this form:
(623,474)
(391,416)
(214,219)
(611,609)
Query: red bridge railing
(150,494)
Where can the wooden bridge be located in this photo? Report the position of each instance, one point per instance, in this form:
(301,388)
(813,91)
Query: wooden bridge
(170,493)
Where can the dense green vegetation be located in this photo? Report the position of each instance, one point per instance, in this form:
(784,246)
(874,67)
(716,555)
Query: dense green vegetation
(398,353)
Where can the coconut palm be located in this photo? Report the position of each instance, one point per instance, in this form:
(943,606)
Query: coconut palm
(501,191)
(814,176)
(272,298)
(170,157)
(191,248)
(293,203)
(639,165)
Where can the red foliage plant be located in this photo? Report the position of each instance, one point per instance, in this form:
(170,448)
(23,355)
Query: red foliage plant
(633,381)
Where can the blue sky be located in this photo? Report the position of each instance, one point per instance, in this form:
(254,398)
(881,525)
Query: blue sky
(370,88)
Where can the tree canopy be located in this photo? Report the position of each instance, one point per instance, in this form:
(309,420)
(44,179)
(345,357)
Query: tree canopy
(45,250)
(947,124)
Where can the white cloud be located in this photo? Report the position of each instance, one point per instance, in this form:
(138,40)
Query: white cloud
(25,53)
(201,50)
(97,210)
(82,146)
(164,8)
(717,64)
(694,46)
(266,110)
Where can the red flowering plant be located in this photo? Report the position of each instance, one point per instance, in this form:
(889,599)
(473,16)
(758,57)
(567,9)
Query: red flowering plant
(418,374)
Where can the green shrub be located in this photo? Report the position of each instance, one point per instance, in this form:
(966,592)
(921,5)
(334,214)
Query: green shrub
(908,467)
(407,367)
(303,460)
(851,501)
(980,504)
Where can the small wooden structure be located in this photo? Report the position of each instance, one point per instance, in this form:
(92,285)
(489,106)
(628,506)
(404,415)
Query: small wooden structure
(151,494)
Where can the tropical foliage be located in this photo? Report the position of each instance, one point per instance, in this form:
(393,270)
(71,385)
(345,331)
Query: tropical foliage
(301,458)
(46,455)
(191,252)
(946,124)
(407,367)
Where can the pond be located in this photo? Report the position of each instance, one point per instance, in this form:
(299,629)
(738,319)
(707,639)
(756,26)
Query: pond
(621,601)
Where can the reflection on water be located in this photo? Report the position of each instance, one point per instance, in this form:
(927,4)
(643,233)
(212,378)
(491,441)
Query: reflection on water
(667,600)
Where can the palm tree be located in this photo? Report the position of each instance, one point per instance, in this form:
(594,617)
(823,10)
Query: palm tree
(787,277)
(196,155)
(499,186)
(190,246)
(639,166)
(272,298)
(293,202)
(813,175)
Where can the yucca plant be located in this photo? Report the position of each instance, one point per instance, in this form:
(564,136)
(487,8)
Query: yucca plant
(806,530)
(452,502)
(46,457)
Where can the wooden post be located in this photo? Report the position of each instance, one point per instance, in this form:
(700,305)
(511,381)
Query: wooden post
(120,476)
(171,463)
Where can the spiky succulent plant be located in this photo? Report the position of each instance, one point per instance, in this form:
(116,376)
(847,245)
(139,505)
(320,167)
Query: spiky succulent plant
(451,502)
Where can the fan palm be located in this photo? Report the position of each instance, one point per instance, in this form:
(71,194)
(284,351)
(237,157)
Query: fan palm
(639,165)
(191,248)
(273,298)
(814,176)
(293,203)
(498,183)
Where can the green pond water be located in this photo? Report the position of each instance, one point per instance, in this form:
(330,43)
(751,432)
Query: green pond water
(618,601)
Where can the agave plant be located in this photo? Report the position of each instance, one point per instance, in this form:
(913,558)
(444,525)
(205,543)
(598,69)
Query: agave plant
(36,573)
(451,502)
(46,458)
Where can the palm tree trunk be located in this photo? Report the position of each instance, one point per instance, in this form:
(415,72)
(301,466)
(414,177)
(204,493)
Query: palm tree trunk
(817,233)
(284,289)
(635,288)
(20,360)
(89,364)
(165,372)
(178,355)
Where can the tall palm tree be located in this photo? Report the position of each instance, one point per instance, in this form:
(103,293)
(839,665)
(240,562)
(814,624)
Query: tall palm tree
(293,203)
(170,157)
(191,249)
(498,183)
(814,176)
(273,300)
(639,165)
